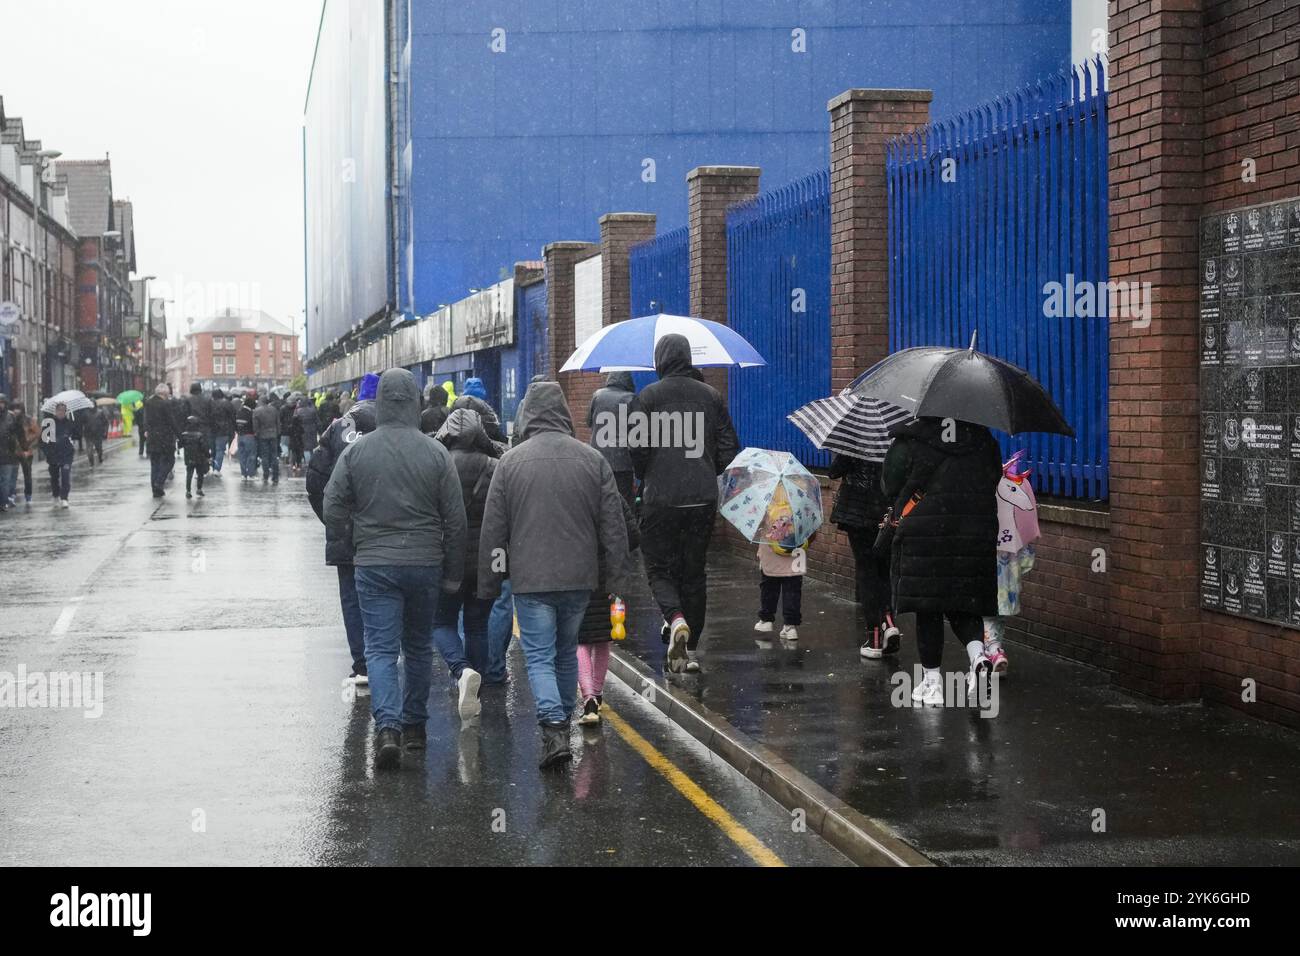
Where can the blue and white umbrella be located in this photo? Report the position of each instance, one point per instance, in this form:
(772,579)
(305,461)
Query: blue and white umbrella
(630,346)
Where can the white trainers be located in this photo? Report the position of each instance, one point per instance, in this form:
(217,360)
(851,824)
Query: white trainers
(677,640)
(467,691)
(930,691)
(64,502)
(788,633)
(763,627)
(979,667)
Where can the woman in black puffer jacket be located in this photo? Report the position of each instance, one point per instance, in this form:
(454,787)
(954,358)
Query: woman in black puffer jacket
(858,507)
(944,554)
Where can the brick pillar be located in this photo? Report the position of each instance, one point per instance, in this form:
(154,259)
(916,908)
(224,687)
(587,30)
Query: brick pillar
(862,124)
(619,232)
(1156,136)
(710,190)
(560,258)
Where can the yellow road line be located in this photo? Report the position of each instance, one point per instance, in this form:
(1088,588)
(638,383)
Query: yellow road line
(689,789)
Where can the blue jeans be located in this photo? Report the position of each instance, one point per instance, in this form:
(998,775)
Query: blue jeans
(268,449)
(352,622)
(474,652)
(160,466)
(548,632)
(8,482)
(500,628)
(397,607)
(218,451)
(248,456)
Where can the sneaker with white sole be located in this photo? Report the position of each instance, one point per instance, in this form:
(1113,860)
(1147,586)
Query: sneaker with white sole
(980,668)
(789,633)
(891,635)
(692,663)
(590,712)
(467,693)
(678,636)
(874,648)
(763,627)
(998,658)
(929,692)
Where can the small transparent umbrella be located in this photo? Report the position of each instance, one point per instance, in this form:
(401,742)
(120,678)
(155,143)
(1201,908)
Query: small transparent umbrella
(771,498)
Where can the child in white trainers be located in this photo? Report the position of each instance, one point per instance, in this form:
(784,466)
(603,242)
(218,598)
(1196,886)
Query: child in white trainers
(1017,532)
(781,574)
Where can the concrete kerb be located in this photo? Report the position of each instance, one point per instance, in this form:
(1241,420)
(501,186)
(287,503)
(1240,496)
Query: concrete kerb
(863,840)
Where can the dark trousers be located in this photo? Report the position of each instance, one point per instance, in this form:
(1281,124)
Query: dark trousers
(160,466)
(60,480)
(929,633)
(139,439)
(95,450)
(26,465)
(268,449)
(352,622)
(871,575)
(192,471)
(626,481)
(788,590)
(675,546)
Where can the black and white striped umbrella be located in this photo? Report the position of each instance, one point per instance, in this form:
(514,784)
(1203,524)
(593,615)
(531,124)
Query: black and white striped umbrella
(850,424)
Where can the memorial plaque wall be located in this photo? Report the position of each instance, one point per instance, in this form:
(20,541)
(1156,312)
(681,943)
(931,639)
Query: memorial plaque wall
(1250,412)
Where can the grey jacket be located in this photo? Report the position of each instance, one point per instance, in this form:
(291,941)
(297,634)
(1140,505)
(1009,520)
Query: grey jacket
(266,420)
(602,419)
(552,509)
(400,489)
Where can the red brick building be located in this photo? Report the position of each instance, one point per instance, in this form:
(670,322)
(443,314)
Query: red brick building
(242,348)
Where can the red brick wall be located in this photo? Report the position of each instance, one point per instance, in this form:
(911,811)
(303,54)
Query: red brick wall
(560,258)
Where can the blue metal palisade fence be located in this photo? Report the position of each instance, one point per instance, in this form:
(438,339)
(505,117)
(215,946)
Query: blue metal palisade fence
(660,281)
(1023,204)
(779,297)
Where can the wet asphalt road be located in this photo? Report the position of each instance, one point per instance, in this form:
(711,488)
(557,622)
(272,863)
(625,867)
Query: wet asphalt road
(225,737)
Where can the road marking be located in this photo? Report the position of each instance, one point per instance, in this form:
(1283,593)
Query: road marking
(65,620)
(688,788)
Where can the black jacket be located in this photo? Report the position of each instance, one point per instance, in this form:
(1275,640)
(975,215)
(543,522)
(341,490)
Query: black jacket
(945,552)
(860,501)
(197,447)
(685,472)
(619,390)
(201,407)
(476,459)
(309,423)
(491,424)
(63,432)
(244,419)
(433,418)
(160,427)
(223,418)
(359,420)
(11,438)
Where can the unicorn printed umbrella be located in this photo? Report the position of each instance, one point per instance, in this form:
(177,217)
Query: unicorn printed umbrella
(771,498)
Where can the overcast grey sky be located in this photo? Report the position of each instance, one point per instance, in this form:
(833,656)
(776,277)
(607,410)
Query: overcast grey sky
(199,104)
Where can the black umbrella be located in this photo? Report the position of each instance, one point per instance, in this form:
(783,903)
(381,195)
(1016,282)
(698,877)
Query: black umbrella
(963,384)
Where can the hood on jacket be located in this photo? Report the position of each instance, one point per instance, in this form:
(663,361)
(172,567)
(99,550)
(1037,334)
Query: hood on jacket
(398,400)
(621,381)
(673,355)
(369,387)
(464,429)
(544,410)
(930,431)
(450,389)
(475,387)
(475,404)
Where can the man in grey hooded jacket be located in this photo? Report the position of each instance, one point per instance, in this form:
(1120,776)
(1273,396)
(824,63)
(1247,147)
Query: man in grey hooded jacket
(402,494)
(552,508)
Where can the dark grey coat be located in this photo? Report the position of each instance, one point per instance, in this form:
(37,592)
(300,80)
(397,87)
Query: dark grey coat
(618,390)
(400,489)
(552,508)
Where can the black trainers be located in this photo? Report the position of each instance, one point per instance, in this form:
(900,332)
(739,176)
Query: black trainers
(388,749)
(414,737)
(555,745)
(590,713)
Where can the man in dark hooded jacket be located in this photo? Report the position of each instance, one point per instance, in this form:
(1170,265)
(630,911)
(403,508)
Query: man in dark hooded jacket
(688,441)
(552,509)
(437,410)
(475,398)
(223,428)
(360,420)
(400,491)
(603,420)
(200,406)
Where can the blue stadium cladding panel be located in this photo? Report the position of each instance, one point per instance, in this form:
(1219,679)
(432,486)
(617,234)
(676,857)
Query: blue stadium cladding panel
(532,144)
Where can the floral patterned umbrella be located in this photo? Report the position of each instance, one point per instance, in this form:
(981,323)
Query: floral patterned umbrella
(771,498)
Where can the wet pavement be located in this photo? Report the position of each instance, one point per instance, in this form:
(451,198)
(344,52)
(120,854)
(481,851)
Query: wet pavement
(1070,772)
(225,737)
